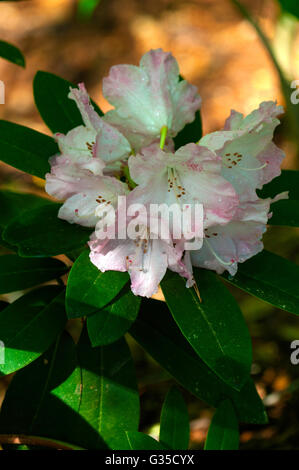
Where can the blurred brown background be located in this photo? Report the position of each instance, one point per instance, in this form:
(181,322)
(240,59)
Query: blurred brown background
(218,51)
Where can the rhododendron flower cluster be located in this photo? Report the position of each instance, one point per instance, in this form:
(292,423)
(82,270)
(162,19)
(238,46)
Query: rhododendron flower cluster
(129,152)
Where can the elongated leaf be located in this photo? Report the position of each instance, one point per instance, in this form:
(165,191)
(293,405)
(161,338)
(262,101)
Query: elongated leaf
(139,441)
(174,424)
(26,149)
(158,334)
(192,132)
(270,278)
(40,233)
(224,429)
(285,212)
(29,326)
(113,321)
(89,289)
(11,53)
(44,397)
(109,383)
(215,327)
(51,97)
(19,273)
(13,205)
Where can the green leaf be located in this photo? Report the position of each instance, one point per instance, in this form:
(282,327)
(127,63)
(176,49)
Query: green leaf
(290,6)
(29,326)
(44,397)
(51,97)
(87,7)
(11,53)
(113,321)
(89,289)
(215,327)
(224,429)
(270,278)
(285,212)
(174,424)
(139,441)
(14,204)
(40,233)
(192,132)
(109,384)
(158,334)
(26,149)
(20,273)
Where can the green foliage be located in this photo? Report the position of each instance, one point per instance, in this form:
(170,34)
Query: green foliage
(174,425)
(65,382)
(85,394)
(290,6)
(14,204)
(51,97)
(30,325)
(50,238)
(157,333)
(20,273)
(26,149)
(270,278)
(224,429)
(11,53)
(87,7)
(215,327)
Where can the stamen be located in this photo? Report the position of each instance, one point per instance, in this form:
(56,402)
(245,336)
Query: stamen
(253,169)
(218,257)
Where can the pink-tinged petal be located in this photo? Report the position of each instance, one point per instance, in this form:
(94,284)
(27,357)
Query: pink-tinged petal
(226,246)
(250,158)
(110,255)
(90,117)
(77,143)
(148,97)
(272,156)
(80,209)
(145,282)
(110,144)
(190,176)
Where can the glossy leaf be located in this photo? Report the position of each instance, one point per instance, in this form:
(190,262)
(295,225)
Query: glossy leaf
(26,149)
(224,429)
(20,273)
(40,233)
(89,289)
(174,423)
(215,327)
(13,205)
(109,383)
(140,441)
(271,278)
(51,97)
(11,53)
(113,321)
(46,394)
(29,326)
(158,334)
(192,132)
